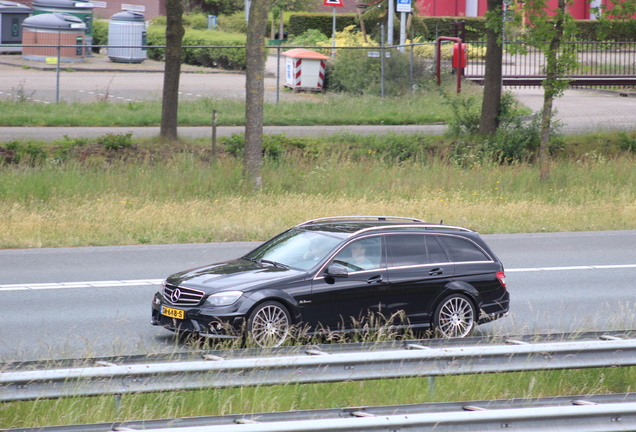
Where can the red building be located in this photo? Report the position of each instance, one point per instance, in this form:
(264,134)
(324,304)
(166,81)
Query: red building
(581,9)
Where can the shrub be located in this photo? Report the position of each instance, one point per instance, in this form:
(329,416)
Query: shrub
(310,38)
(15,152)
(627,141)
(116,141)
(66,146)
(100,33)
(234,23)
(516,139)
(323,22)
(353,71)
(226,58)
(274,146)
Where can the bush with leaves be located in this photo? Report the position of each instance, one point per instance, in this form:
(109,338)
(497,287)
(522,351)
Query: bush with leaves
(517,138)
(226,58)
(14,152)
(354,72)
(310,38)
(274,145)
(116,141)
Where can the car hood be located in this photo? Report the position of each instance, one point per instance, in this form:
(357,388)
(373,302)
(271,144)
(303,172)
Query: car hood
(237,274)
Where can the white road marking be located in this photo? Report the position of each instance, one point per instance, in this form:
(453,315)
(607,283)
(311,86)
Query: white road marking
(597,267)
(146,282)
(93,284)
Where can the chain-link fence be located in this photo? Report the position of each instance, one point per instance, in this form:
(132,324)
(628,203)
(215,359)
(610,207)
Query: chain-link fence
(95,77)
(384,71)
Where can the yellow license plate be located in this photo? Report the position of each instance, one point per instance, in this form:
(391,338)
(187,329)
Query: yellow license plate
(172,313)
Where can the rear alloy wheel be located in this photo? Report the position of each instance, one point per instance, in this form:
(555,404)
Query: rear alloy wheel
(454,317)
(269,324)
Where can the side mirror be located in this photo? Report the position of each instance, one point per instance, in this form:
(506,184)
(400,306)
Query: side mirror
(337,270)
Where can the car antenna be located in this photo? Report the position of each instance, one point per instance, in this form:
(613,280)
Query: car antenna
(441,222)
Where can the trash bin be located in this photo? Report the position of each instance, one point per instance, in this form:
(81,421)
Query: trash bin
(127,37)
(11,16)
(57,30)
(81,9)
(304,70)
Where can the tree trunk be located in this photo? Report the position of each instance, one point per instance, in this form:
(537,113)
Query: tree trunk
(254,91)
(489,121)
(281,25)
(172,72)
(550,90)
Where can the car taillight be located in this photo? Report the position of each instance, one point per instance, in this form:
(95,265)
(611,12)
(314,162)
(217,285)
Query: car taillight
(502,279)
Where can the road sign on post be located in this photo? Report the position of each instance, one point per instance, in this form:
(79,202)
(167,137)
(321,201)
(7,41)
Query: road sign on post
(334,3)
(403,6)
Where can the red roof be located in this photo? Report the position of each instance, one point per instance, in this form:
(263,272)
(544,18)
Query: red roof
(303,53)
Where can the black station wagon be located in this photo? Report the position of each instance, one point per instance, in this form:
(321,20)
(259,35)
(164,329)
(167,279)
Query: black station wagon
(331,274)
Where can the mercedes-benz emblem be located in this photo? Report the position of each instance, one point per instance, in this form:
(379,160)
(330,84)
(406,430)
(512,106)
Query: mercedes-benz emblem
(175,296)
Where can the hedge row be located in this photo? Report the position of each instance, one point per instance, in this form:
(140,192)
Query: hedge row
(301,22)
(432,27)
(231,59)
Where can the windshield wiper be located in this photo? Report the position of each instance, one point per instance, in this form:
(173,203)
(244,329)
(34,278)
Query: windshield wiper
(250,259)
(275,264)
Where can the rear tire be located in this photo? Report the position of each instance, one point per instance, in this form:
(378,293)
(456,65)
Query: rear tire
(269,325)
(454,317)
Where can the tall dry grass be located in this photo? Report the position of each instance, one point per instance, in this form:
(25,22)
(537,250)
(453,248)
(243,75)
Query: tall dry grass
(186,200)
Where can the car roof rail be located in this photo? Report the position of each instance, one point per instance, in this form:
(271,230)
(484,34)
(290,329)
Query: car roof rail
(345,218)
(426,226)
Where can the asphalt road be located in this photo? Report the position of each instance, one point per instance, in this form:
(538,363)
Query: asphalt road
(95,301)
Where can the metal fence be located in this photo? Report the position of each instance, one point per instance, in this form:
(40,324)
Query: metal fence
(314,366)
(601,64)
(391,69)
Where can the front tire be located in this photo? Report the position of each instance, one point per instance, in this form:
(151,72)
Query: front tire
(454,317)
(269,325)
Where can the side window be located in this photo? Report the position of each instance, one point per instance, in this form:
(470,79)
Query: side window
(406,249)
(435,252)
(363,254)
(461,250)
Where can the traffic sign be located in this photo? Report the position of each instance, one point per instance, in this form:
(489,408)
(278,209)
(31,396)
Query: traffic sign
(333,3)
(403,6)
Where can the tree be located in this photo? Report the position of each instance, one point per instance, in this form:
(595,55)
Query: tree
(489,121)
(278,8)
(225,7)
(172,72)
(254,91)
(548,31)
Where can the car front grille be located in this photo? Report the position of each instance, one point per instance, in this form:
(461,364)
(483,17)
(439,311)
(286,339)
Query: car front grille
(182,296)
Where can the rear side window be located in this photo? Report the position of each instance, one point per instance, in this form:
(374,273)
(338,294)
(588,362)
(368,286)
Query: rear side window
(407,250)
(461,250)
(435,252)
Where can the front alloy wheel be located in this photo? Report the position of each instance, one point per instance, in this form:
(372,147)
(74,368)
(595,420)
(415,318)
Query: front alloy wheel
(268,325)
(454,317)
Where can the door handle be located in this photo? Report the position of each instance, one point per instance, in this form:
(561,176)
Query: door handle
(436,271)
(375,279)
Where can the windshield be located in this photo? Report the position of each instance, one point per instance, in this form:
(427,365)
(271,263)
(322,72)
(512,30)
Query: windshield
(296,248)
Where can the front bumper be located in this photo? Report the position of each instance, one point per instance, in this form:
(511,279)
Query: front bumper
(197,321)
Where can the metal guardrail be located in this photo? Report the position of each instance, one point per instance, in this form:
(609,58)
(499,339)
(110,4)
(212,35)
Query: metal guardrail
(565,413)
(312,367)
(609,417)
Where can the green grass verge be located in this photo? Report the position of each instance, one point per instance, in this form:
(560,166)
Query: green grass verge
(329,109)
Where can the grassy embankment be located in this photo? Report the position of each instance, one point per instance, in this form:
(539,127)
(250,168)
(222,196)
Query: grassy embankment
(182,196)
(152,193)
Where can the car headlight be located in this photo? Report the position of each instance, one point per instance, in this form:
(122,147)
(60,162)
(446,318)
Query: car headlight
(225,298)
